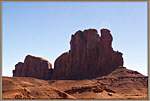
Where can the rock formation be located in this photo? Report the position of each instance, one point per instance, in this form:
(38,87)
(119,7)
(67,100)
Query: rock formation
(36,67)
(90,55)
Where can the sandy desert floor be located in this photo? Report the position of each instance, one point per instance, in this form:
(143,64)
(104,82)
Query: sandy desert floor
(120,84)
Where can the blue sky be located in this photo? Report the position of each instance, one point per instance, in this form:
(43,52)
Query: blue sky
(44,29)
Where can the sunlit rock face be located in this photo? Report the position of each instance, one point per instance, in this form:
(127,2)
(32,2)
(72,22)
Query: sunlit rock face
(36,67)
(90,55)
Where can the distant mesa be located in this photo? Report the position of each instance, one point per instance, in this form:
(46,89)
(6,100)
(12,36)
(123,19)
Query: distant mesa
(36,67)
(90,56)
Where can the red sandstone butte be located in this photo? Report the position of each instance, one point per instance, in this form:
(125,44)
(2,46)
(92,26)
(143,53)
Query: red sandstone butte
(36,67)
(90,55)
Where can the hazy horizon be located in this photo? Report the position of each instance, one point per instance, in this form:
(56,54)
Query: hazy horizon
(44,29)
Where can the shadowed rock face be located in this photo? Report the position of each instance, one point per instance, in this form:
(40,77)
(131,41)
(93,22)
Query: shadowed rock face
(36,67)
(90,55)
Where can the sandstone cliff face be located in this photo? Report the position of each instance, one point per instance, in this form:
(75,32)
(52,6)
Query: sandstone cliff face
(36,67)
(90,55)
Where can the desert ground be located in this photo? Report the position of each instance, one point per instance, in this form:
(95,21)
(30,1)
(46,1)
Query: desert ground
(120,84)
